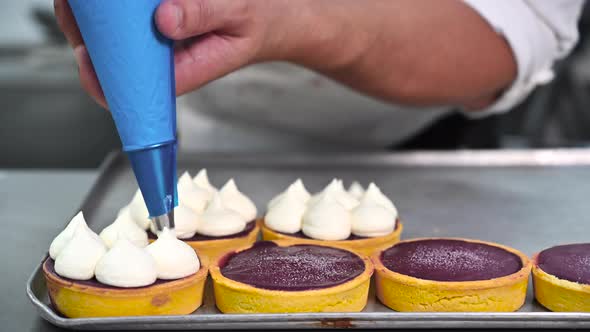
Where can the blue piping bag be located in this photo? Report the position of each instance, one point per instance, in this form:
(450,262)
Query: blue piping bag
(135,66)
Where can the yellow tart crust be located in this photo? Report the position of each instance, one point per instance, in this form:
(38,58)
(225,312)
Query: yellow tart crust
(366,247)
(405,293)
(174,297)
(558,294)
(214,249)
(236,297)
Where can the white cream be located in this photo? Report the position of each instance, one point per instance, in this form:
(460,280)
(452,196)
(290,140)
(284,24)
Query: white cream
(79,257)
(186,222)
(125,225)
(235,200)
(126,265)
(375,194)
(139,211)
(336,190)
(192,195)
(218,220)
(62,239)
(297,189)
(370,219)
(356,190)
(201,180)
(327,219)
(286,214)
(174,258)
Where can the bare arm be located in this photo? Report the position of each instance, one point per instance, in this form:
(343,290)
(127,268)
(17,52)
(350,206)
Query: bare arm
(417,52)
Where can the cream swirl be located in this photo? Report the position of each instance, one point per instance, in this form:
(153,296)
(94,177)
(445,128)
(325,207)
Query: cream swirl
(125,225)
(297,189)
(174,259)
(371,219)
(218,220)
(192,195)
(138,211)
(79,257)
(286,213)
(327,219)
(235,200)
(201,180)
(126,265)
(186,222)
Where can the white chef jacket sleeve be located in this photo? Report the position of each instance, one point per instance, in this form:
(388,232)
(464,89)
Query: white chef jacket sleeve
(540,32)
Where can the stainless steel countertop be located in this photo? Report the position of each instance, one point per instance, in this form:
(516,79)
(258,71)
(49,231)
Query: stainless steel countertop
(33,207)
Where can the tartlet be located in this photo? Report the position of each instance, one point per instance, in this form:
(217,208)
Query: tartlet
(362,245)
(364,221)
(451,275)
(78,299)
(338,282)
(561,278)
(215,247)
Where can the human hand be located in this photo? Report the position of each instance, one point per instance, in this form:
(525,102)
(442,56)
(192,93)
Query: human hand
(406,51)
(212,38)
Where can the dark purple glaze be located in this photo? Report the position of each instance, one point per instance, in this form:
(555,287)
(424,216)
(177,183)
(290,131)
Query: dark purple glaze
(450,260)
(198,237)
(293,268)
(50,267)
(569,262)
(351,237)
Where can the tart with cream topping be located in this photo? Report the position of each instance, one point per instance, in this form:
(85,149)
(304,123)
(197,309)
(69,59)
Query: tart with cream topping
(211,221)
(458,275)
(359,220)
(561,277)
(279,277)
(85,278)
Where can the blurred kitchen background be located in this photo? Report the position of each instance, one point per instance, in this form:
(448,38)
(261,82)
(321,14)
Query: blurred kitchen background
(46,120)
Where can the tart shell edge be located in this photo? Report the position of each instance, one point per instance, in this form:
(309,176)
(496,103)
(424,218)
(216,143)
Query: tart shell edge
(557,294)
(366,247)
(409,294)
(235,297)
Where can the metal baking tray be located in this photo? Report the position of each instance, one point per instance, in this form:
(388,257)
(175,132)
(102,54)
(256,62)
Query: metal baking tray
(529,200)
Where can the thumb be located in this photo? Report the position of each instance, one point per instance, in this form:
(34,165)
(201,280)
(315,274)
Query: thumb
(181,19)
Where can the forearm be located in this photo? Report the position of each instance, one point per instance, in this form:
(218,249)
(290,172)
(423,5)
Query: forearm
(413,52)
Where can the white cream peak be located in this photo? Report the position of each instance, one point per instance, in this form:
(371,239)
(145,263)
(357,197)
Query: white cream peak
(124,224)
(139,211)
(235,200)
(336,190)
(218,220)
(126,265)
(297,189)
(356,190)
(186,222)
(202,181)
(375,194)
(286,214)
(62,239)
(371,219)
(78,259)
(174,259)
(192,195)
(327,219)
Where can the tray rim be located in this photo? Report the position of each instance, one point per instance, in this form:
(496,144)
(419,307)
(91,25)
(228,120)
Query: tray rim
(464,158)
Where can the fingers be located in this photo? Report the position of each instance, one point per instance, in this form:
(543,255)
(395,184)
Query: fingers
(180,19)
(88,78)
(207,58)
(67,22)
